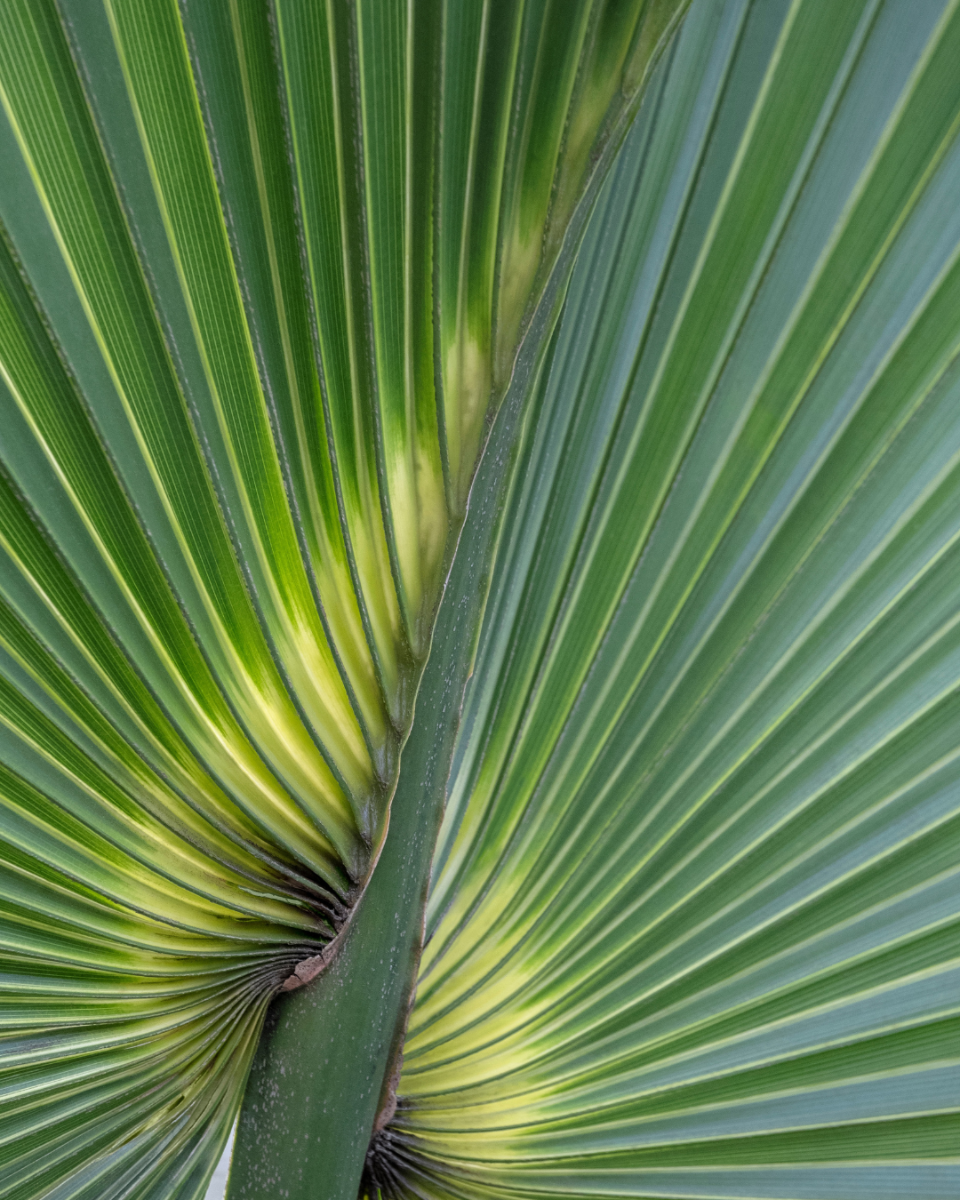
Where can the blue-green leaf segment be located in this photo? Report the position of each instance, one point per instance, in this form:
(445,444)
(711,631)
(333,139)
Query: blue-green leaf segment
(265,268)
(694,920)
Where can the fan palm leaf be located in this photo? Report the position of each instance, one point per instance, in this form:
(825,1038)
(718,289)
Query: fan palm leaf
(479,539)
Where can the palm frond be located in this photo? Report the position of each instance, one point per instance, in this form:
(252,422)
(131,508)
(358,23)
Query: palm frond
(693,924)
(264,273)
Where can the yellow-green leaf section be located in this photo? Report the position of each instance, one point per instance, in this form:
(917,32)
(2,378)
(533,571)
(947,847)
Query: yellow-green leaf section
(240,246)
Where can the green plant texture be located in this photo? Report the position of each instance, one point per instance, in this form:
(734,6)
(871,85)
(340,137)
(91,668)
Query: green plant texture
(480,599)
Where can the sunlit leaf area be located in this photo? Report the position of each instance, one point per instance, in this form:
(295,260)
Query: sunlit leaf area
(272,272)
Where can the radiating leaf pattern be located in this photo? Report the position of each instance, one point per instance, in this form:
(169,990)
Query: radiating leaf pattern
(695,917)
(264,270)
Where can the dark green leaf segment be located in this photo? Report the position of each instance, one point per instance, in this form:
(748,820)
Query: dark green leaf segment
(265,270)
